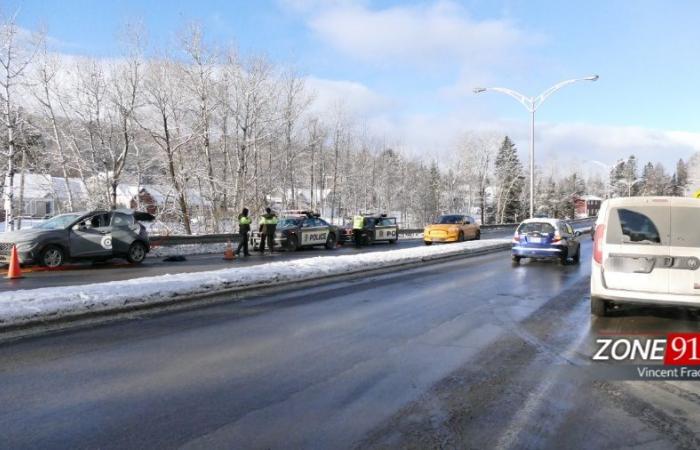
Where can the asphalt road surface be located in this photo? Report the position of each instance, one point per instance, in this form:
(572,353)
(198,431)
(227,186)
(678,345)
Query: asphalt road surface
(86,273)
(474,353)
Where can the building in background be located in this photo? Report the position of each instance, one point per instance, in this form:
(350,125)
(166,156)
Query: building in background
(586,206)
(43,195)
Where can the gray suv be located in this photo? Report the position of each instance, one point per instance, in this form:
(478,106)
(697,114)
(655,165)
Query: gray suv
(94,235)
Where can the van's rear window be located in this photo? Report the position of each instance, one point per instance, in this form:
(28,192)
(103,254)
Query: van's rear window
(637,227)
(647,225)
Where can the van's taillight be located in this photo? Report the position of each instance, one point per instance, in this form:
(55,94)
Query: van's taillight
(556,238)
(598,244)
(516,238)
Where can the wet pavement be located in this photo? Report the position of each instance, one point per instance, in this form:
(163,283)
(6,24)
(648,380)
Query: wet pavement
(474,353)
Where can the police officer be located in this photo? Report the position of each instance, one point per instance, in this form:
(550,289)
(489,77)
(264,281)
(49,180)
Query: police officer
(244,230)
(358,223)
(268,225)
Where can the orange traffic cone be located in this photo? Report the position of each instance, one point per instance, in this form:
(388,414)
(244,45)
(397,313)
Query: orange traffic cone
(14,271)
(228,252)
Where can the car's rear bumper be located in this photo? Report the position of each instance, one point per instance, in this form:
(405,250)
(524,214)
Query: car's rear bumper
(599,290)
(536,252)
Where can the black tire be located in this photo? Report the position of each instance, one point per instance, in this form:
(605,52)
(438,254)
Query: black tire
(393,241)
(460,238)
(478,235)
(52,256)
(367,240)
(330,241)
(137,253)
(599,307)
(577,258)
(516,259)
(564,258)
(292,243)
(427,243)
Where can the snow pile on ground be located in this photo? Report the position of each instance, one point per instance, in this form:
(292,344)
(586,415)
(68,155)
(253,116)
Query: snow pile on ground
(26,306)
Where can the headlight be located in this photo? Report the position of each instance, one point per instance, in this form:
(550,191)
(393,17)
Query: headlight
(25,246)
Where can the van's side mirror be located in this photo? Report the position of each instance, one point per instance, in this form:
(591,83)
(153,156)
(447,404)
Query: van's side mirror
(577,233)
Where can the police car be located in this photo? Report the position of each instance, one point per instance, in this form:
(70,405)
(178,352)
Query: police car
(300,229)
(377,228)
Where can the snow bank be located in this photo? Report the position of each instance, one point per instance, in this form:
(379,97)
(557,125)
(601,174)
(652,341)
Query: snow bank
(27,306)
(215,248)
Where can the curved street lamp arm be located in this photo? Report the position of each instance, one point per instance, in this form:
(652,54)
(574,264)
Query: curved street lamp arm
(537,101)
(524,100)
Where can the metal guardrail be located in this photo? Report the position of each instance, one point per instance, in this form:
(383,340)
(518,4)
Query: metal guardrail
(172,240)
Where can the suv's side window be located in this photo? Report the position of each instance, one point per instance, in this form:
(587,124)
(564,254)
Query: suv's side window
(120,220)
(96,222)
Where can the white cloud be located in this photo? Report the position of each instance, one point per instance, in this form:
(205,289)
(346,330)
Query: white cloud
(355,98)
(609,143)
(441,32)
(558,145)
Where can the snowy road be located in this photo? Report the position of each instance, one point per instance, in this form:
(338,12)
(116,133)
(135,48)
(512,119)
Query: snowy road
(462,354)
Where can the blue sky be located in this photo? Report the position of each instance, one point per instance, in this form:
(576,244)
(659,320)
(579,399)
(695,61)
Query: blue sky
(407,68)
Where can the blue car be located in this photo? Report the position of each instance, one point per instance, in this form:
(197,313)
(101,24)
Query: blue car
(546,239)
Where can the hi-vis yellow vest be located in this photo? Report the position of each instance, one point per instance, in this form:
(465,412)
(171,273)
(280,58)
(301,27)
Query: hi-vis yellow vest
(358,222)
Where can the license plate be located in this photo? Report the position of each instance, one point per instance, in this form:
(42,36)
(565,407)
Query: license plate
(535,240)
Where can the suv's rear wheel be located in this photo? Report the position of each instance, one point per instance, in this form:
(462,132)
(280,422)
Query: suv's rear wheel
(599,307)
(52,256)
(136,253)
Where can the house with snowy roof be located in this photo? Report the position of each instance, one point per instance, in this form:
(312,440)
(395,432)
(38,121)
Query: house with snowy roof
(44,195)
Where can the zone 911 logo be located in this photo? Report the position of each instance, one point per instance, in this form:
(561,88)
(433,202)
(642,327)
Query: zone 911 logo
(676,349)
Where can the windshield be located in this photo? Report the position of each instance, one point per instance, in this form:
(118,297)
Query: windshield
(58,222)
(289,223)
(449,219)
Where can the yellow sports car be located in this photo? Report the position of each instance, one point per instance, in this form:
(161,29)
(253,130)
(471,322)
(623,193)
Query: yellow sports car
(451,228)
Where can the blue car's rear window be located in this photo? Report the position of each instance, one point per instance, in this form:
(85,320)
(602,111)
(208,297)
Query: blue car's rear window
(535,227)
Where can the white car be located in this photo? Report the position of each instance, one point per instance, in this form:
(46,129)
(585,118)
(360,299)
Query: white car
(646,250)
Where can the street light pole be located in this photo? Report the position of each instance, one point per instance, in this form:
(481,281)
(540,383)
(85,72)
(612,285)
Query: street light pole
(532,163)
(531,104)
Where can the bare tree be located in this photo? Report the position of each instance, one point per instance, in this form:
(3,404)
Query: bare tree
(15,56)
(165,108)
(45,92)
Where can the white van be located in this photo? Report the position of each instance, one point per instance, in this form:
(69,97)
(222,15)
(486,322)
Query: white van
(647,251)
